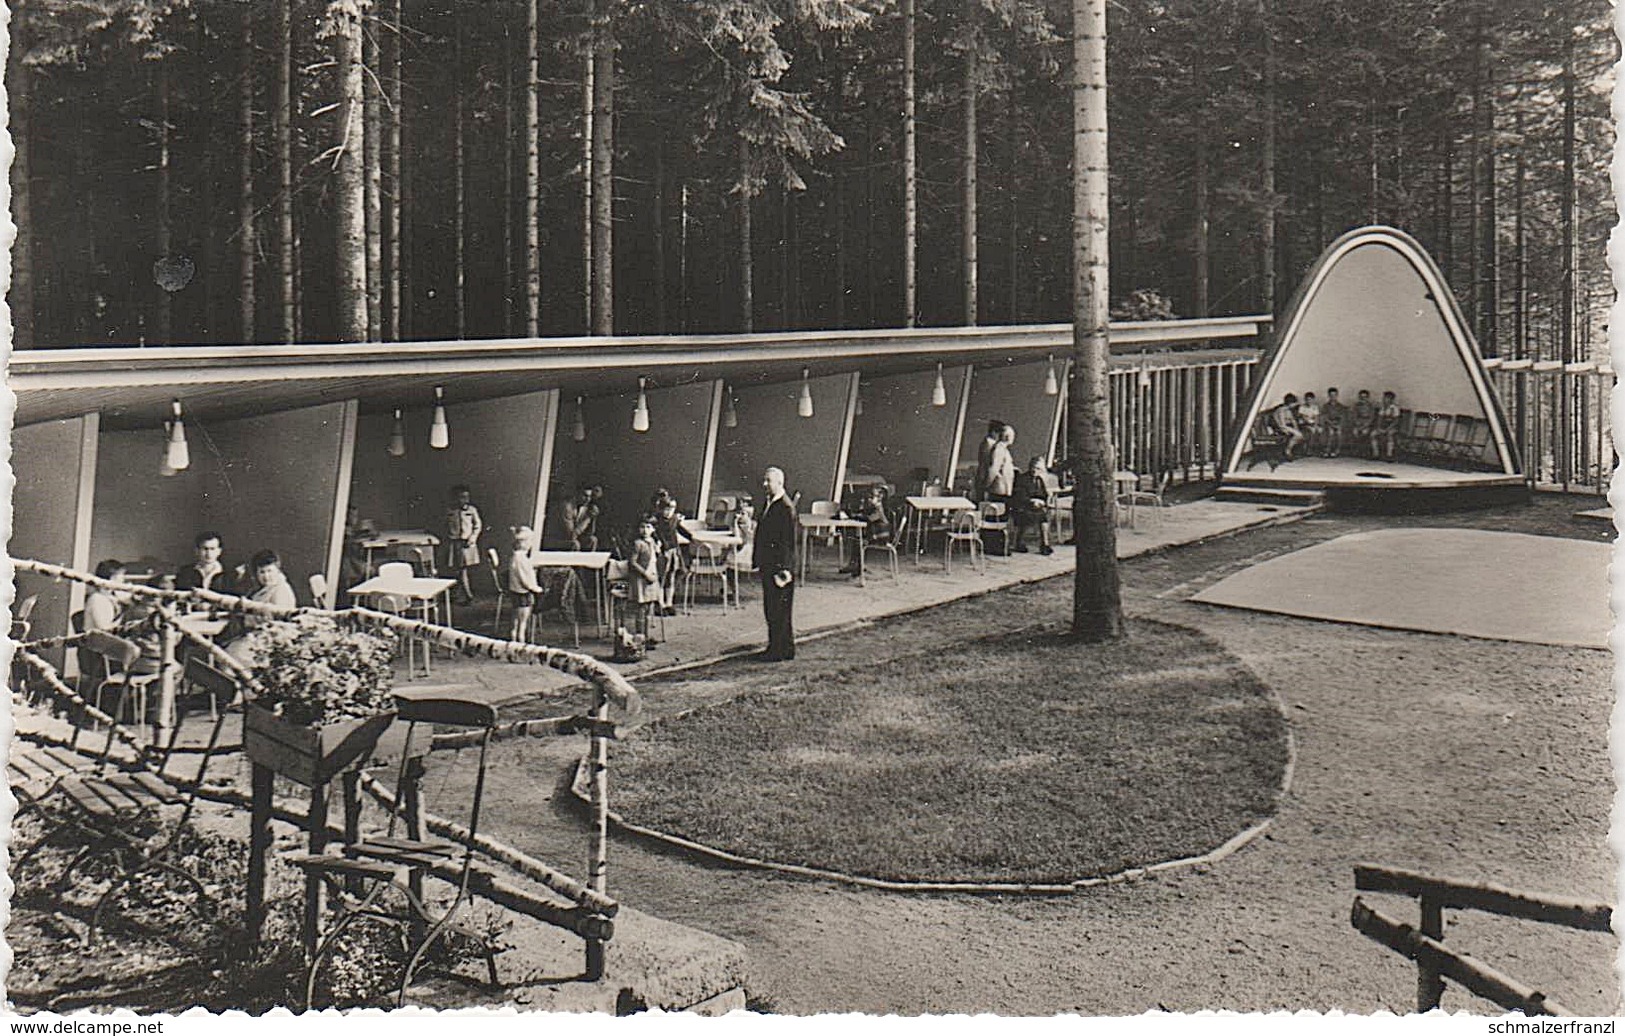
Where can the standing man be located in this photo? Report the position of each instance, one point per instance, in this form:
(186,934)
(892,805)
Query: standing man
(775,556)
(984,459)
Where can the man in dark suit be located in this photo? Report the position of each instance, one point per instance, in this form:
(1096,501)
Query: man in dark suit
(775,556)
(206,572)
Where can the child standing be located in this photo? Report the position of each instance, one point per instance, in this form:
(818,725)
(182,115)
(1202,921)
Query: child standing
(522,585)
(645,565)
(463,528)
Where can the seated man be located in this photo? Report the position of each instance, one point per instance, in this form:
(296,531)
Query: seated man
(1284,420)
(871,510)
(1333,416)
(1364,419)
(111,611)
(206,572)
(1029,505)
(1308,417)
(581,517)
(1386,430)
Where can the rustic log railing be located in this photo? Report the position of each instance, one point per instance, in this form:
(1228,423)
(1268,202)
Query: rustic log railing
(1171,411)
(1559,416)
(1424,943)
(593,909)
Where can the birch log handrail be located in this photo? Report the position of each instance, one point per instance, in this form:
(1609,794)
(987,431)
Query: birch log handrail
(1474,975)
(612,683)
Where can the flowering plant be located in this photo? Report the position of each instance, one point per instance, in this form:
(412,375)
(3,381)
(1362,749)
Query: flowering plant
(313,671)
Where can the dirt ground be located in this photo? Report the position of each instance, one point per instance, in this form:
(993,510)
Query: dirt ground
(1468,758)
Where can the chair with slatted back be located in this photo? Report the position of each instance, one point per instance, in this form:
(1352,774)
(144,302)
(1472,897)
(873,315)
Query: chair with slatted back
(96,809)
(1477,443)
(401,864)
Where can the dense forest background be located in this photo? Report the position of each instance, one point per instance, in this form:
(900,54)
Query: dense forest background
(339,170)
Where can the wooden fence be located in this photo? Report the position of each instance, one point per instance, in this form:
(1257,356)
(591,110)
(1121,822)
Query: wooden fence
(1424,943)
(1559,417)
(592,909)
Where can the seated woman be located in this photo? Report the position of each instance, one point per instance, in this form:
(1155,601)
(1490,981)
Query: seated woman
(877,528)
(1029,505)
(270,587)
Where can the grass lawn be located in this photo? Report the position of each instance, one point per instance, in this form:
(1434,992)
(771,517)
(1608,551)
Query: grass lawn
(1017,757)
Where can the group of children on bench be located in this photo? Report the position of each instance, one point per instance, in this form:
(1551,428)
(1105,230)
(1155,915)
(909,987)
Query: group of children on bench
(1324,428)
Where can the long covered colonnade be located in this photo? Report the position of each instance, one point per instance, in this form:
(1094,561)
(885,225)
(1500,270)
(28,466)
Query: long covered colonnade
(284,440)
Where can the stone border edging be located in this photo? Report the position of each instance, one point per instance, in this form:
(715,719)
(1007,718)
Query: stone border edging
(578,788)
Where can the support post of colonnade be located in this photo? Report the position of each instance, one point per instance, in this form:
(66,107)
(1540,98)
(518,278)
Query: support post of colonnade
(84,514)
(350,420)
(713,428)
(544,474)
(956,434)
(845,449)
(1057,426)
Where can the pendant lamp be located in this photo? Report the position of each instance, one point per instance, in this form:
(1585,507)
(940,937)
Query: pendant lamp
(730,415)
(640,415)
(439,434)
(1052,387)
(176,455)
(804,405)
(397,436)
(939,391)
(578,428)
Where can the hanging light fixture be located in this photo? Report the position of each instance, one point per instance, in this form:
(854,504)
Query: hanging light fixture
(578,428)
(439,434)
(939,391)
(730,415)
(397,436)
(177,457)
(640,415)
(1052,387)
(804,405)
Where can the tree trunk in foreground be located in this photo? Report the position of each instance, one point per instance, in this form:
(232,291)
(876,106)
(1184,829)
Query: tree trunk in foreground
(350,199)
(603,177)
(910,194)
(1097,609)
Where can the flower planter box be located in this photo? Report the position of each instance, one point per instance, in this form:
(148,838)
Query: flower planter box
(309,755)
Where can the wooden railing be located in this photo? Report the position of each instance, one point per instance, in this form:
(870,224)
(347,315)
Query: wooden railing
(1558,415)
(592,909)
(1424,943)
(1171,411)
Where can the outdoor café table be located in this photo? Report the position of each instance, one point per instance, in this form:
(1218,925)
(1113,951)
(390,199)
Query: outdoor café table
(385,539)
(201,623)
(421,590)
(937,506)
(828,523)
(1124,483)
(597,561)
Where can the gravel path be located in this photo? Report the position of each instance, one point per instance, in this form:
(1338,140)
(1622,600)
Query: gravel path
(1468,758)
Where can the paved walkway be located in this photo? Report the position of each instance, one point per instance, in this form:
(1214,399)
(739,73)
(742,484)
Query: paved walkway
(828,601)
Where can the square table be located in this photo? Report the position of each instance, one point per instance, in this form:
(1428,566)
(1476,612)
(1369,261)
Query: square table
(420,589)
(595,561)
(938,506)
(730,542)
(384,539)
(829,523)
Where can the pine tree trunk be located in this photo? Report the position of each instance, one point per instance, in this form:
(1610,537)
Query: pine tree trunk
(969,178)
(533,171)
(396,235)
(1520,281)
(1200,298)
(372,125)
(350,189)
(910,195)
(282,119)
(1447,240)
(1491,260)
(747,265)
(1097,610)
(1014,193)
(603,177)
(1566,216)
(586,188)
(162,327)
(247,245)
(1266,230)
(659,258)
(21,295)
(459,187)
(684,318)
(1475,192)
(507,182)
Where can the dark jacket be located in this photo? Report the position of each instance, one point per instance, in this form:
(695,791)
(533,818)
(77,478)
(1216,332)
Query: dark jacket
(776,538)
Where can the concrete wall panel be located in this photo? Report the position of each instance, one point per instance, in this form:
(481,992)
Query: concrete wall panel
(899,430)
(143,516)
(771,432)
(1014,394)
(44,511)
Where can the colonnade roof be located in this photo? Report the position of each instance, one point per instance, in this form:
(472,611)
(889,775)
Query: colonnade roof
(133,387)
